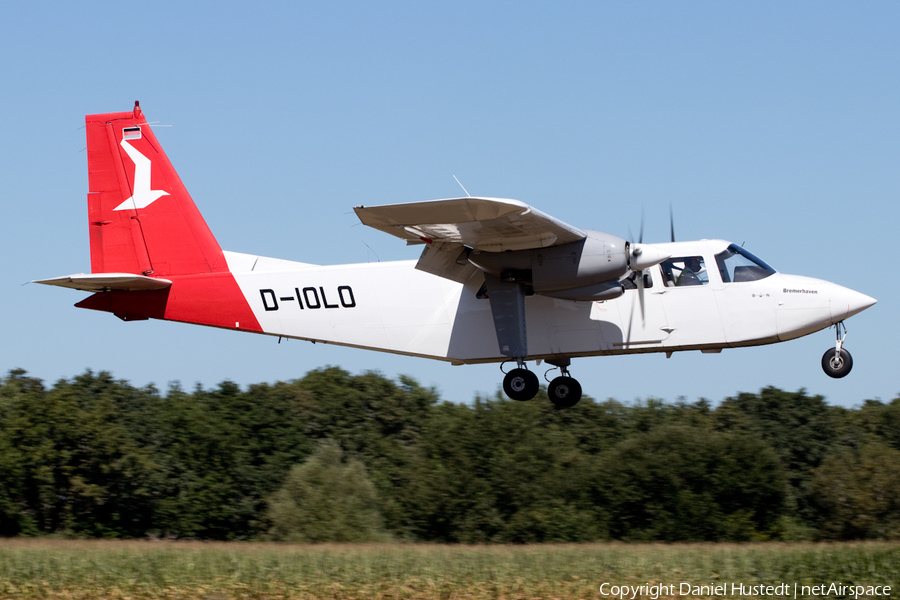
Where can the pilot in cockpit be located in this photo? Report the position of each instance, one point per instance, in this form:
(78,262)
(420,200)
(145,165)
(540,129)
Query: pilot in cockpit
(693,272)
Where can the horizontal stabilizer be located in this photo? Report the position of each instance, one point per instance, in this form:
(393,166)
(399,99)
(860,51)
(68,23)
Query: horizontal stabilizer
(106,282)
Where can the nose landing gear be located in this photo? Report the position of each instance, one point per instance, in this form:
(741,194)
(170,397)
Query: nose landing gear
(837,362)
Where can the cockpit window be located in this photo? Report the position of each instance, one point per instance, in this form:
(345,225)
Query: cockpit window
(736,264)
(683,271)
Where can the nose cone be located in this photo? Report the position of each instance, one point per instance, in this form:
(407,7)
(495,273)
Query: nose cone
(846,303)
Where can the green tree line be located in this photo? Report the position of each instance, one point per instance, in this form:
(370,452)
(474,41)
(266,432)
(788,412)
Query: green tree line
(335,456)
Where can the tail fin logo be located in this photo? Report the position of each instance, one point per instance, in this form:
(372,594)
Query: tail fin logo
(143,195)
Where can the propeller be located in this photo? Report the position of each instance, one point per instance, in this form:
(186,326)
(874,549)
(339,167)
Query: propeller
(636,251)
(643,256)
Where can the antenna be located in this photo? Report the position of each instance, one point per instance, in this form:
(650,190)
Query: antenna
(468,195)
(373,252)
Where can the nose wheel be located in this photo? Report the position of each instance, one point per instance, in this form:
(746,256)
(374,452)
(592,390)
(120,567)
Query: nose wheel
(837,362)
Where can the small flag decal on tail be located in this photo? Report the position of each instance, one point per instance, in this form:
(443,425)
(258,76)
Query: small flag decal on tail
(132,133)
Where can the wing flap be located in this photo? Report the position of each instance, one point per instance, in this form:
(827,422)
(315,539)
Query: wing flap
(447,261)
(104,282)
(488,224)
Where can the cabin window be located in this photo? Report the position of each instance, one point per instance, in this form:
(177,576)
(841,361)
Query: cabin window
(684,271)
(736,265)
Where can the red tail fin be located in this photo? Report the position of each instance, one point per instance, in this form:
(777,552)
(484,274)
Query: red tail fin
(142,219)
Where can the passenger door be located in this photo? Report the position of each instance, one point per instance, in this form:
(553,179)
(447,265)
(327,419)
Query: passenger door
(690,301)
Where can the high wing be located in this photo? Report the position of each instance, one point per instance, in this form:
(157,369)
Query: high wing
(486,224)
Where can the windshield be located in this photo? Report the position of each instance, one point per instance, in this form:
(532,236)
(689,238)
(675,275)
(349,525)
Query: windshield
(736,264)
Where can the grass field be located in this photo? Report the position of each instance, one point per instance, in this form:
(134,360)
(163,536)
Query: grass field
(216,571)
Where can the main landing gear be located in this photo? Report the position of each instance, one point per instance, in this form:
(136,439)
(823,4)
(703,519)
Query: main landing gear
(507,298)
(520,383)
(837,362)
(564,391)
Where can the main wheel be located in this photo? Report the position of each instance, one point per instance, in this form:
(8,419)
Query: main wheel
(837,366)
(564,392)
(521,384)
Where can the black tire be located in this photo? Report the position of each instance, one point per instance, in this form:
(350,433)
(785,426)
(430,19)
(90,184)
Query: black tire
(564,392)
(837,367)
(521,384)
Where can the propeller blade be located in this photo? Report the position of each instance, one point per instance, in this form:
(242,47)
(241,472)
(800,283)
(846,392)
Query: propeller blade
(672,222)
(630,325)
(640,282)
(641,235)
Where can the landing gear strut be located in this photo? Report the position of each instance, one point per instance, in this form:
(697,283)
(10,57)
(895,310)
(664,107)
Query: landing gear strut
(837,362)
(520,383)
(507,296)
(564,391)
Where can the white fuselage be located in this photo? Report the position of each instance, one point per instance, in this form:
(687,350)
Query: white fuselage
(393,307)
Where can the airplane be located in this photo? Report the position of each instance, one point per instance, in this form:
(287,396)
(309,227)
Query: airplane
(497,281)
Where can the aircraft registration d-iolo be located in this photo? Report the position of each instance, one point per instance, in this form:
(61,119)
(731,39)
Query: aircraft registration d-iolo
(497,281)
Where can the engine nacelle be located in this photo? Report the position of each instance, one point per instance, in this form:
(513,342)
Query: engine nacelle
(597,259)
(602,291)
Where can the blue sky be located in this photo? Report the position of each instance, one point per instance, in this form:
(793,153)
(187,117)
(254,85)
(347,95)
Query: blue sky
(773,124)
